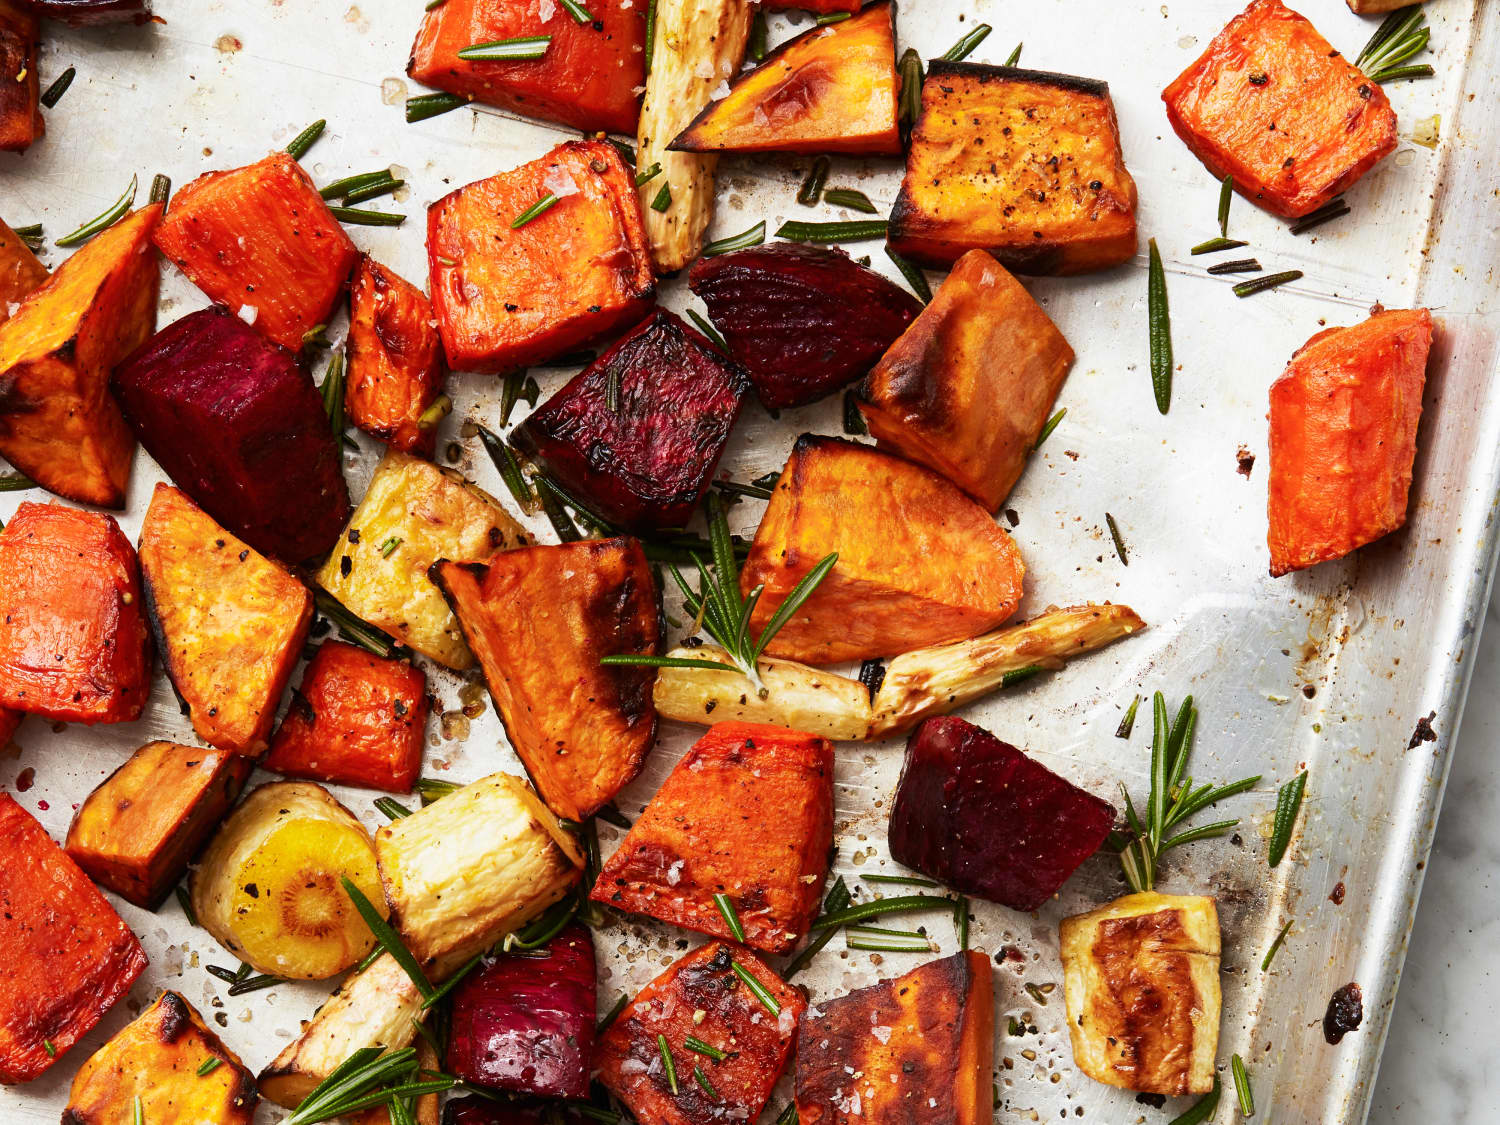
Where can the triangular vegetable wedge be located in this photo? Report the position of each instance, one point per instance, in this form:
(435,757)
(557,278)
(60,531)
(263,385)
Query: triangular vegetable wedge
(831,89)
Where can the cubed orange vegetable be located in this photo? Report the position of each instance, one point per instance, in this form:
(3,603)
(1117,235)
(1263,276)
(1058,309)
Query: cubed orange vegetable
(968,387)
(395,359)
(20,113)
(1273,104)
(261,240)
(68,956)
(506,296)
(20,272)
(10,721)
(919,562)
(820,6)
(73,638)
(748,813)
(357,719)
(589,79)
(1343,437)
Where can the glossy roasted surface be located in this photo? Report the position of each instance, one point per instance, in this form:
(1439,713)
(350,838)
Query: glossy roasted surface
(395,359)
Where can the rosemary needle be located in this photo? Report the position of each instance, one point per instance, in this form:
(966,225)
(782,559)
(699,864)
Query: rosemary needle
(914,277)
(1261,284)
(743,241)
(1242,1086)
(666,1062)
(1201,1110)
(1214,245)
(423,106)
(305,139)
(909,107)
(1335,209)
(1265,963)
(798,231)
(850,198)
(521,47)
(1226,193)
(360,217)
(53,94)
(663,198)
(1127,724)
(1052,424)
(109,218)
(1288,804)
(579,13)
(714,338)
(161,189)
(731,917)
(541,206)
(965,46)
(1015,56)
(1159,320)
(1239,265)
(1114,533)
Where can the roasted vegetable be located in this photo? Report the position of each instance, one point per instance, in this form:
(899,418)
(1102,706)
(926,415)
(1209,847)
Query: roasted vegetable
(73,640)
(1271,103)
(509,294)
(1367,7)
(590,77)
(153,1070)
(413,514)
(89,13)
(981,817)
(924,1039)
(10,721)
(831,89)
(20,112)
(395,359)
(424,1108)
(136,832)
(465,871)
(804,320)
(68,957)
(20,272)
(526,1023)
(639,432)
(1022,163)
(238,425)
(701,996)
(969,386)
(230,623)
(268,888)
(1141,977)
(540,619)
(357,719)
(955,575)
(1343,437)
(699,45)
(58,424)
(823,6)
(260,240)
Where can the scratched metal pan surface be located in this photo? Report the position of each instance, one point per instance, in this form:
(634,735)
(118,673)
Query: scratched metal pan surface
(1330,670)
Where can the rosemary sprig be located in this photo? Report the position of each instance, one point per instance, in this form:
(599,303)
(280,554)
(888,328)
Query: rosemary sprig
(1214,245)
(1127,724)
(663,198)
(1201,1110)
(1265,963)
(851,198)
(387,937)
(1052,424)
(876,940)
(836,899)
(758,990)
(354,1078)
(731,917)
(363,217)
(352,628)
(811,191)
(16,482)
(521,47)
(913,274)
(707,1050)
(1159,317)
(1226,194)
(31,235)
(666,1062)
(795,230)
(742,241)
(423,106)
(53,93)
(392,808)
(864,911)
(1242,1086)
(1239,265)
(306,139)
(1261,284)
(332,390)
(540,207)
(1288,803)
(1401,36)
(113,214)
(965,46)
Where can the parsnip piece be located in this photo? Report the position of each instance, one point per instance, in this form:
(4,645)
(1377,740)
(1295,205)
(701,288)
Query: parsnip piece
(698,45)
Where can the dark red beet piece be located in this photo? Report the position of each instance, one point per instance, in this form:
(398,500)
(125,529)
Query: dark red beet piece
(238,425)
(482,1111)
(980,816)
(87,13)
(804,320)
(526,1024)
(638,433)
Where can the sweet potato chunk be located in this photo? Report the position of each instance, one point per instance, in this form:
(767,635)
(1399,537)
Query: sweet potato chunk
(589,79)
(58,424)
(73,640)
(68,956)
(755,1042)
(20,272)
(935,1051)
(1271,103)
(1141,978)
(831,89)
(229,622)
(969,386)
(20,112)
(260,240)
(158,1059)
(137,831)
(395,359)
(639,432)
(955,574)
(9,722)
(356,720)
(747,813)
(1022,163)
(539,619)
(510,296)
(1343,437)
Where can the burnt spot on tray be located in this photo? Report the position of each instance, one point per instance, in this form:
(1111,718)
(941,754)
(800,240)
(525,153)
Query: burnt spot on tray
(1346,1009)
(1423,732)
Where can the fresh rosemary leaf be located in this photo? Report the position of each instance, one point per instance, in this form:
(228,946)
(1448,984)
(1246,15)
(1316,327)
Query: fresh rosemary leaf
(1127,724)
(800,593)
(31,235)
(1334,209)
(742,241)
(909,107)
(1242,1086)
(1390,26)
(1226,193)
(698,1075)
(579,13)
(1261,284)
(913,274)
(453,982)
(663,198)
(650,33)
(360,217)
(1014,58)
(961,921)
(1114,533)
(53,93)
(254,984)
(708,1050)
(854,420)
(1239,265)
(643,178)
(1201,1110)
(373,191)
(836,899)
(1400,73)
(342,187)
(521,47)
(850,198)
(1160,324)
(731,917)
(113,214)
(305,139)
(208,1067)
(1214,245)
(387,937)
(713,334)
(440,408)
(855,231)
(393,809)
(613,1014)
(16,482)
(965,46)
(1052,424)
(758,990)
(332,390)
(1207,832)
(735,488)
(1265,963)
(161,189)
(625,149)
(187,905)
(509,470)
(1401,36)
(811,191)
(432,789)
(353,628)
(542,205)
(423,106)
(562,524)
(900,904)
(833,17)
(898,880)
(1017,675)
(666,1062)
(886,941)
(353,1079)
(788,1116)
(1288,804)
(756,48)
(50,1048)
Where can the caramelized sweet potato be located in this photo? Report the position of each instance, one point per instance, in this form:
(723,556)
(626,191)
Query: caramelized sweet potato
(68,956)
(91,13)
(589,79)
(20,272)
(732,1019)
(137,831)
(820,6)
(981,817)
(639,432)
(10,721)
(804,320)
(357,720)
(968,387)
(507,296)
(229,623)
(924,1040)
(539,619)
(1367,7)
(395,359)
(20,111)
(831,89)
(954,574)
(1343,437)
(238,425)
(526,1023)
(156,1063)
(748,813)
(73,640)
(260,240)
(1271,103)
(1022,163)
(58,423)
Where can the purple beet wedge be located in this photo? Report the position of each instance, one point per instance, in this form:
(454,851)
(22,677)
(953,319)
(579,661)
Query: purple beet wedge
(981,817)
(475,1110)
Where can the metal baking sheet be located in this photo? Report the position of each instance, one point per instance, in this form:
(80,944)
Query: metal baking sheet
(1331,669)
